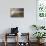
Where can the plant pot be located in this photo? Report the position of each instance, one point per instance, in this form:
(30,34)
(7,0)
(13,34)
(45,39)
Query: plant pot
(40,41)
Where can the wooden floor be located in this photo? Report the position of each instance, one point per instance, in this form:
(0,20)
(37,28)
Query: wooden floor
(13,44)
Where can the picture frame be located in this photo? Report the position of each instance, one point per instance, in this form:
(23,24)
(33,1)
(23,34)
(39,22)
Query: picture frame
(17,12)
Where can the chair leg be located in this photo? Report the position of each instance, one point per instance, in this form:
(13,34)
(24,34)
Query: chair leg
(5,44)
(5,40)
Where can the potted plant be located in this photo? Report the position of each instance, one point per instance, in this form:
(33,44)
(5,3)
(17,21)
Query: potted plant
(39,35)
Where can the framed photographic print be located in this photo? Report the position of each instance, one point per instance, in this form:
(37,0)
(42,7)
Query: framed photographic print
(17,12)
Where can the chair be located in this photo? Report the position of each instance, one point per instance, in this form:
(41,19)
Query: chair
(14,32)
(7,35)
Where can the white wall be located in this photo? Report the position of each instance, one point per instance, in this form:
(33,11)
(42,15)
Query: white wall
(24,24)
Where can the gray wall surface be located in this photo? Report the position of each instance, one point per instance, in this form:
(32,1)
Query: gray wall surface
(24,24)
